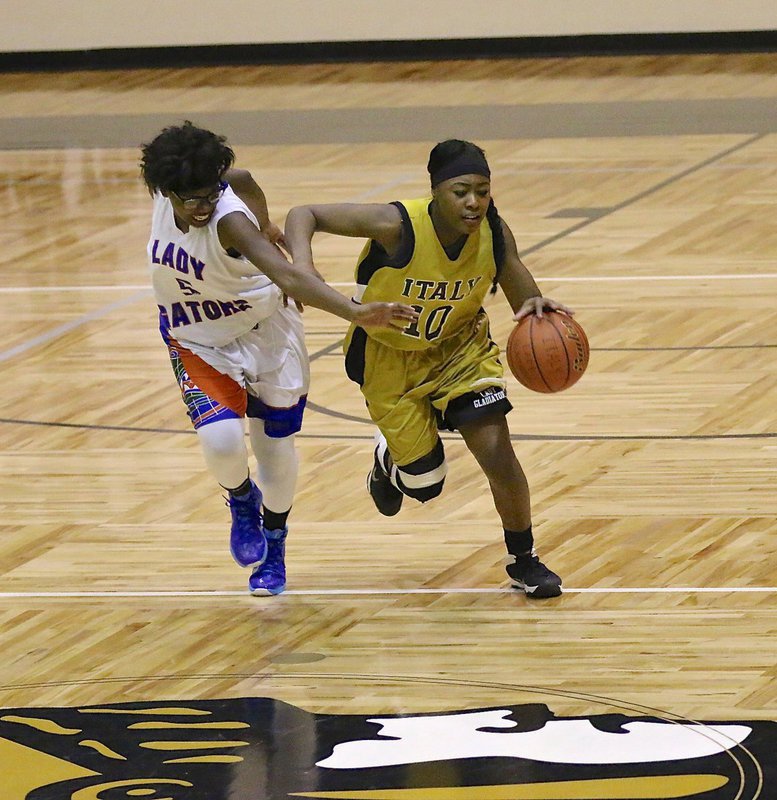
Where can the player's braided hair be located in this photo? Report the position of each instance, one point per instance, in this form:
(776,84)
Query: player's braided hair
(467,153)
(183,158)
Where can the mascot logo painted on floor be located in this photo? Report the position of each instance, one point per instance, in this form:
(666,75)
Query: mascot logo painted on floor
(263,749)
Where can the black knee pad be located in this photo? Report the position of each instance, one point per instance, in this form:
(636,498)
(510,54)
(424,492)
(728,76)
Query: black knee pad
(423,479)
(423,494)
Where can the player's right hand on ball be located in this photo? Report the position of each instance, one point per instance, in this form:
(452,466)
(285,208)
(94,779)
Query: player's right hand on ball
(536,305)
(385,315)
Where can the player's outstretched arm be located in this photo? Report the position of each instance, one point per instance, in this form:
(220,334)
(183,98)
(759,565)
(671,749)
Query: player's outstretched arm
(238,232)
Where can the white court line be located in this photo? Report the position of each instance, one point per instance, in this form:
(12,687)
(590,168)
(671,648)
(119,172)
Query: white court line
(52,289)
(615,278)
(66,327)
(143,291)
(378,592)
(9,183)
(565,279)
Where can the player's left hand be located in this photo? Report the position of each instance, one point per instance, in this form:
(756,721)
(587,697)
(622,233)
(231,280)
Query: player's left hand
(536,305)
(274,235)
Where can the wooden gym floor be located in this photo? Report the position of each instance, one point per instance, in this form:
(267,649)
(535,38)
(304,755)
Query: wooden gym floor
(642,191)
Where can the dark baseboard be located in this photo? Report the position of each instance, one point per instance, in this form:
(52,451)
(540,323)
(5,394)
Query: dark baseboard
(406,50)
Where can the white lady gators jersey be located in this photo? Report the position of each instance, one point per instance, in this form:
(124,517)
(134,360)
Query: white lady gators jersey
(197,283)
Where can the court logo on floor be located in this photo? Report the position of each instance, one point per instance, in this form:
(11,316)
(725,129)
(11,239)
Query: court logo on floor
(263,749)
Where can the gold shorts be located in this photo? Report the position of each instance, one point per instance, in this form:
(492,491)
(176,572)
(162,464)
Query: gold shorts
(407,391)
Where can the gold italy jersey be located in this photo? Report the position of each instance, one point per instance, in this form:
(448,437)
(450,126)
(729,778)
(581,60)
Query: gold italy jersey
(447,292)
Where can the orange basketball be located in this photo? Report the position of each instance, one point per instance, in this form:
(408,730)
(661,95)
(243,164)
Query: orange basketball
(548,353)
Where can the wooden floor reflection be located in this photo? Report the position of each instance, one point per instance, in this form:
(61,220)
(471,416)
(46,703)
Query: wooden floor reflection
(653,479)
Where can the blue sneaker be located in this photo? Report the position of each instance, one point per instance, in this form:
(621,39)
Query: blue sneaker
(246,539)
(270,577)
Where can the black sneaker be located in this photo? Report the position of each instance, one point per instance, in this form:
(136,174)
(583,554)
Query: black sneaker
(386,496)
(530,574)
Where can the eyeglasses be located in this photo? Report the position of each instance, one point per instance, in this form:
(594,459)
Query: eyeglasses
(190,203)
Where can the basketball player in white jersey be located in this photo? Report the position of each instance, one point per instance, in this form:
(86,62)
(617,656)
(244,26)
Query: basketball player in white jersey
(236,347)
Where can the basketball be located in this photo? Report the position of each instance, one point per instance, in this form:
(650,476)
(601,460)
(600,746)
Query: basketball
(549,353)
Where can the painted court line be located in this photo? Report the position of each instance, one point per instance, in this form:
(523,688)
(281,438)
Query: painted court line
(60,330)
(323,173)
(561,279)
(378,592)
(52,289)
(616,278)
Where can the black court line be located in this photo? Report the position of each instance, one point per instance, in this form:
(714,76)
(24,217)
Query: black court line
(643,194)
(689,349)
(516,437)
(87,427)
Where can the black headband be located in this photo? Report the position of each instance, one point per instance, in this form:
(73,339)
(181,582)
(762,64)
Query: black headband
(461,165)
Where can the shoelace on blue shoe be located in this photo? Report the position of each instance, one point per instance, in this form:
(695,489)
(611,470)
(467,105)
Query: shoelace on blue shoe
(275,551)
(243,508)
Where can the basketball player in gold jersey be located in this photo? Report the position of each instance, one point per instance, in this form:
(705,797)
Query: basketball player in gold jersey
(441,255)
